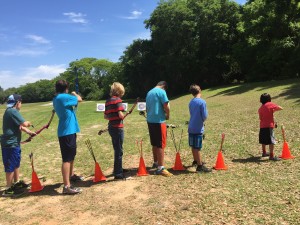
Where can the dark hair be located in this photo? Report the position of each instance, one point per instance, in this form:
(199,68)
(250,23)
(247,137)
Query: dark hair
(61,86)
(195,89)
(163,84)
(264,98)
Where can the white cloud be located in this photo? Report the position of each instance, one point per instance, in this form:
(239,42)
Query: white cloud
(30,75)
(45,71)
(20,51)
(76,17)
(133,15)
(37,39)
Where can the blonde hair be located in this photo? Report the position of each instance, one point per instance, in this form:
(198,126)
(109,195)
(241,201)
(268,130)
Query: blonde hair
(117,89)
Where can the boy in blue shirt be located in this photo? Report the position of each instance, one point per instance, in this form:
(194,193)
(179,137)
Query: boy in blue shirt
(63,104)
(198,114)
(158,111)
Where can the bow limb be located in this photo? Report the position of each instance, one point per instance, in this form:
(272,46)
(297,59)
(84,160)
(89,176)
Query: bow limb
(132,108)
(40,130)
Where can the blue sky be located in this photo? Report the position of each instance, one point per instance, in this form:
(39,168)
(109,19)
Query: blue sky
(39,38)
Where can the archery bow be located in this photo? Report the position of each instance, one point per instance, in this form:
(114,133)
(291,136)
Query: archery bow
(40,130)
(129,112)
(76,85)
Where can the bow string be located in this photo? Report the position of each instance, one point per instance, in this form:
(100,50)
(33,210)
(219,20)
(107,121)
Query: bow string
(40,130)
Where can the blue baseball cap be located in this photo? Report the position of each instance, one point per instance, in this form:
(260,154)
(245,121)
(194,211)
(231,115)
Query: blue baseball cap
(12,100)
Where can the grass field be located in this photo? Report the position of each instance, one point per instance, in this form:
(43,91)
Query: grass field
(253,190)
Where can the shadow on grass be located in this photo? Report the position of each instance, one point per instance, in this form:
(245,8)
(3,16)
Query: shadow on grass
(49,190)
(179,172)
(292,92)
(251,159)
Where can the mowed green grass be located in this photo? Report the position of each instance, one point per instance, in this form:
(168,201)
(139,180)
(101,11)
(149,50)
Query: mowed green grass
(253,190)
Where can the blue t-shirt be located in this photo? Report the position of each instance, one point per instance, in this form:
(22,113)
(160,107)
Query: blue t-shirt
(155,100)
(198,114)
(63,105)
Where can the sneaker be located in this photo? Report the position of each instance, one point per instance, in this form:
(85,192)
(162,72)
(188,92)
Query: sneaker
(154,166)
(274,158)
(75,178)
(265,154)
(126,170)
(71,190)
(203,168)
(194,163)
(119,177)
(20,185)
(164,172)
(11,192)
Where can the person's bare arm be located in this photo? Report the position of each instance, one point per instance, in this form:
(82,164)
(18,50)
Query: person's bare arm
(167,110)
(77,95)
(278,109)
(26,130)
(25,124)
(121,115)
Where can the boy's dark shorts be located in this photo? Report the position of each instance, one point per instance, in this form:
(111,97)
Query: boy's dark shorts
(158,134)
(195,141)
(68,147)
(266,136)
(11,158)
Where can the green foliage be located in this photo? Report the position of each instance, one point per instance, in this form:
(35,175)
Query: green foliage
(193,41)
(271,40)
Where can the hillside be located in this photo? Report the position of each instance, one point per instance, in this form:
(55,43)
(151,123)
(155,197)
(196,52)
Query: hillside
(253,190)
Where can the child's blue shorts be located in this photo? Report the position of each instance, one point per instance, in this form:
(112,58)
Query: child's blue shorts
(11,158)
(195,141)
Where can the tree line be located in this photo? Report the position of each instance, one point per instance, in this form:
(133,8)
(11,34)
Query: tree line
(193,41)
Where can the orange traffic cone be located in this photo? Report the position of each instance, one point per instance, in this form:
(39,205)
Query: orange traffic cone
(142,171)
(286,154)
(220,165)
(35,183)
(178,164)
(98,174)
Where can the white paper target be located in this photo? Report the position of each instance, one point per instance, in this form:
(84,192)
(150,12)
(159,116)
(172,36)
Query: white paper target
(141,106)
(100,107)
(125,105)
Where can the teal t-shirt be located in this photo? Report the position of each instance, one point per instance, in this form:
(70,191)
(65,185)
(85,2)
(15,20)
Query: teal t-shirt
(63,105)
(12,120)
(155,100)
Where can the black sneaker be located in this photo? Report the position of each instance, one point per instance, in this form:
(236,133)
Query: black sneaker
(119,177)
(11,192)
(71,190)
(20,185)
(265,154)
(194,163)
(203,168)
(126,170)
(154,166)
(75,178)
(274,158)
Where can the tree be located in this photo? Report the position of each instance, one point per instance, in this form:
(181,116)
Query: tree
(193,41)
(91,73)
(270,45)
(139,68)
